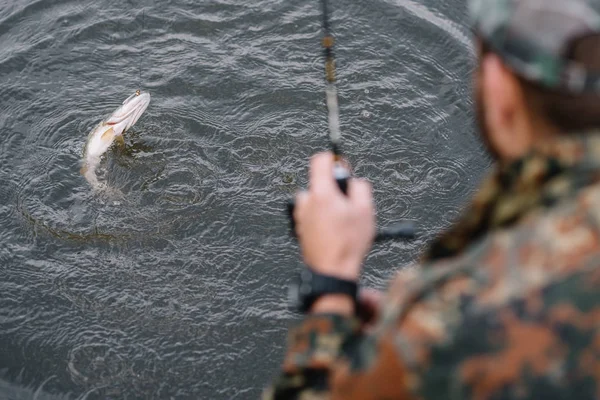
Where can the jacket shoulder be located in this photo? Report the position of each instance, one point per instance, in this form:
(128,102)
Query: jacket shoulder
(516,316)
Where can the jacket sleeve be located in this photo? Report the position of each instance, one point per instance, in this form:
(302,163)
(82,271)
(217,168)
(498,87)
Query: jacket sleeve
(329,358)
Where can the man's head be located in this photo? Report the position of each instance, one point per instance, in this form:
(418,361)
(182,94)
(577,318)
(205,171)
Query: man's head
(539,71)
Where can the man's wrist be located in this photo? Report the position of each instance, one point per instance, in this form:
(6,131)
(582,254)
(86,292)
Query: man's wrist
(340,304)
(315,292)
(348,271)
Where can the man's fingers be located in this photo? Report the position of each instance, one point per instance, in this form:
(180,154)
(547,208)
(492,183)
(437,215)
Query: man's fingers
(321,173)
(360,192)
(301,200)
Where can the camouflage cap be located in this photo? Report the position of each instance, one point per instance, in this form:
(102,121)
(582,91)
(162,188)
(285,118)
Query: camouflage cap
(534,38)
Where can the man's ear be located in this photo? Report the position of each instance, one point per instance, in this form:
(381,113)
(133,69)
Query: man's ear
(506,109)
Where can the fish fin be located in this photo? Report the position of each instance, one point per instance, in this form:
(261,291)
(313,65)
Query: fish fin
(120,140)
(108,135)
(83,170)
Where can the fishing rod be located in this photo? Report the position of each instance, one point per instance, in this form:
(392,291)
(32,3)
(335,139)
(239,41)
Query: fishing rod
(401,231)
(340,173)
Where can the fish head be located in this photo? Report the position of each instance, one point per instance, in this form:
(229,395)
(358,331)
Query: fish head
(129,112)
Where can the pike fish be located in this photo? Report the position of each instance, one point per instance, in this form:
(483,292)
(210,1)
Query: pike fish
(109,130)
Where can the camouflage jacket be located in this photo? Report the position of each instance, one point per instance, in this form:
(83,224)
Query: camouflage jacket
(505,305)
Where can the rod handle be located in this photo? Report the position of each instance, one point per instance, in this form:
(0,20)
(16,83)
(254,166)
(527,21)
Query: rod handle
(401,231)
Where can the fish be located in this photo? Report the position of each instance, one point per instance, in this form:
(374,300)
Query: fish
(110,129)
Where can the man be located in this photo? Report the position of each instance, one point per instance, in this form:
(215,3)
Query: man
(506,304)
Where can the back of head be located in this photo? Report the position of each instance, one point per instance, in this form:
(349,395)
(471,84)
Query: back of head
(553,47)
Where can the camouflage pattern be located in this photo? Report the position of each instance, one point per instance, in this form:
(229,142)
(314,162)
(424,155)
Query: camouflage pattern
(513,311)
(532,183)
(532,36)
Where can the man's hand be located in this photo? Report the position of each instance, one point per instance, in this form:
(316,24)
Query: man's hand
(335,231)
(370,307)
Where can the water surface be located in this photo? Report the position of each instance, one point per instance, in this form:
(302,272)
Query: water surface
(176,289)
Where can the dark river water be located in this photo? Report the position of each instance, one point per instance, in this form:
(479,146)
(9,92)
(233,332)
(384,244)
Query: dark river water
(177,288)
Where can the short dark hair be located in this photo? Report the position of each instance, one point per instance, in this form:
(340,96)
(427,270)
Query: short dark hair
(566,111)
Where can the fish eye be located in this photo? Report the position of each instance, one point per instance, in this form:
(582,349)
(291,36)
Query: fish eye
(137,92)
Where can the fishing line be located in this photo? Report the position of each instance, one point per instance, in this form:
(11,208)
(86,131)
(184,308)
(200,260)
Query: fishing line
(142,51)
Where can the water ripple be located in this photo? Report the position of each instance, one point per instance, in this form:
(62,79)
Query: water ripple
(176,287)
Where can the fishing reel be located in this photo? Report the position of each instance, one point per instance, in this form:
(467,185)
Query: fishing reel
(401,231)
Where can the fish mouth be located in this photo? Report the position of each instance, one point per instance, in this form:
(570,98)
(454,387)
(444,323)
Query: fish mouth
(130,112)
